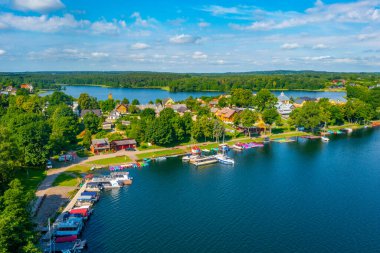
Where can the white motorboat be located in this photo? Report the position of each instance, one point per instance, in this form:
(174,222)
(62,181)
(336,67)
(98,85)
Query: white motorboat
(224,159)
(325,139)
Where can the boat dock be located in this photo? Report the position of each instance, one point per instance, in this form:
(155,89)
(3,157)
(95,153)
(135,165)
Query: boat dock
(71,204)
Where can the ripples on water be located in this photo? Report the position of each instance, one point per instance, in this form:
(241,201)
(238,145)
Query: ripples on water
(294,197)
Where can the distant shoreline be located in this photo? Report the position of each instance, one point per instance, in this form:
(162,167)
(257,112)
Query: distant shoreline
(166,88)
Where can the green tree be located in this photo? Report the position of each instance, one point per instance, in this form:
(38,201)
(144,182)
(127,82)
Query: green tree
(107,105)
(308,116)
(135,101)
(16,229)
(148,113)
(264,99)
(85,101)
(218,130)
(58,97)
(247,118)
(223,102)
(125,101)
(270,116)
(87,139)
(32,139)
(241,97)
(91,122)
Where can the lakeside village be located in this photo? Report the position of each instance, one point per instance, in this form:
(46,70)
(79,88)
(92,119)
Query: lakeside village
(106,138)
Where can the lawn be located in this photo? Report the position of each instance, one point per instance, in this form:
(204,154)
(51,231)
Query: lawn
(111,160)
(66,179)
(31,178)
(79,169)
(165,152)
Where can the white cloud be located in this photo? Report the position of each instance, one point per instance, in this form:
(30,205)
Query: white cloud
(99,54)
(367,36)
(139,45)
(290,46)
(203,24)
(199,55)
(364,11)
(139,21)
(2,52)
(47,24)
(40,23)
(220,10)
(320,46)
(104,27)
(184,39)
(317,58)
(41,6)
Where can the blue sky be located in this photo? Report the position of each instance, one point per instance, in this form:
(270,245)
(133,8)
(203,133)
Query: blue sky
(189,36)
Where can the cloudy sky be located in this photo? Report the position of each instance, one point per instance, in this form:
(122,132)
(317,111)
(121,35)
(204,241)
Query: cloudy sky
(189,36)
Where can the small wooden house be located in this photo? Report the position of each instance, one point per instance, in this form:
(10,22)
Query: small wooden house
(122,108)
(123,144)
(100,145)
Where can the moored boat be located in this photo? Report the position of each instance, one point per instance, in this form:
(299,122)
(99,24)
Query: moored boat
(237,147)
(224,159)
(325,139)
(160,159)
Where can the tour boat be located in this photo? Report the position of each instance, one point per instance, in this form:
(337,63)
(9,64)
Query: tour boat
(72,226)
(325,139)
(224,159)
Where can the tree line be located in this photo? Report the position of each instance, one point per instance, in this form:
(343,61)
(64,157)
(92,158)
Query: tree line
(192,82)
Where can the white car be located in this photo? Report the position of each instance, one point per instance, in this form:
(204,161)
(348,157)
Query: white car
(49,165)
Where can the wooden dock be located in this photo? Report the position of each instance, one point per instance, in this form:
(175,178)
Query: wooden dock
(71,204)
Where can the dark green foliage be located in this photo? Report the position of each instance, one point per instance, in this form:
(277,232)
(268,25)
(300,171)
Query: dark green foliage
(148,113)
(16,229)
(264,99)
(135,102)
(107,105)
(91,122)
(58,97)
(241,97)
(270,116)
(85,101)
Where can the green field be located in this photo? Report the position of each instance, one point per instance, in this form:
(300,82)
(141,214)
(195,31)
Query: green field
(31,178)
(111,160)
(66,179)
(161,153)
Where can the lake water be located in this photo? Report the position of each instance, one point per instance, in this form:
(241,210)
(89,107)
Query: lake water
(145,95)
(305,196)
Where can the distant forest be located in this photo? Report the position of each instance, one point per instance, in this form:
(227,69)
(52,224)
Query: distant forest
(310,80)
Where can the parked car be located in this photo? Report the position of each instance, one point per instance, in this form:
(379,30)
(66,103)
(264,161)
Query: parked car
(49,165)
(130,149)
(65,158)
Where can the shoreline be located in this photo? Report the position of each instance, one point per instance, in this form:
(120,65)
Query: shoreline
(166,88)
(140,155)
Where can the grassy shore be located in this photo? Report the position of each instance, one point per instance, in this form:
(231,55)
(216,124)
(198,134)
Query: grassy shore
(164,152)
(110,161)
